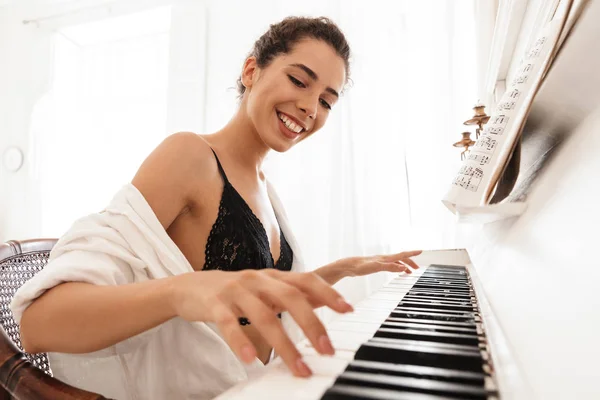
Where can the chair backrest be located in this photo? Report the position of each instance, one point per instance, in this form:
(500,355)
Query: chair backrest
(19,262)
(23,375)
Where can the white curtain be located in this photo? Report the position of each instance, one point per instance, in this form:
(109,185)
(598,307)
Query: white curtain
(370,182)
(104,114)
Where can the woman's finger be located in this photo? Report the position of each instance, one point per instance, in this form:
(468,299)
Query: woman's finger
(268,325)
(227,322)
(402,255)
(294,300)
(402,267)
(410,263)
(317,290)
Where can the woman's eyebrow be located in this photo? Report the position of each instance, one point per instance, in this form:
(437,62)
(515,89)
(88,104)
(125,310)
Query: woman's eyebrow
(314,77)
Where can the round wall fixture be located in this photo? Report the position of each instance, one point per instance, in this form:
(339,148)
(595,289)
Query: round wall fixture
(12,159)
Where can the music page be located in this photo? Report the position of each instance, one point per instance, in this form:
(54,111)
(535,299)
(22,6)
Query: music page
(476,179)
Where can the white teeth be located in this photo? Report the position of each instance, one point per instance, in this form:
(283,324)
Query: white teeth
(289,124)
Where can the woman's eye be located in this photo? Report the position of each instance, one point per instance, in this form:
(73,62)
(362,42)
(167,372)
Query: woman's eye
(296,82)
(325,104)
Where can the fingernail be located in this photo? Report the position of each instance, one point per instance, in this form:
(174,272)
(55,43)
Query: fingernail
(303,368)
(325,345)
(248,353)
(345,305)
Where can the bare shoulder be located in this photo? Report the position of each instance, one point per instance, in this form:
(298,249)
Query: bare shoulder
(170,176)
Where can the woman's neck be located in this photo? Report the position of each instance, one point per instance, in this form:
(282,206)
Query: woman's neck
(240,142)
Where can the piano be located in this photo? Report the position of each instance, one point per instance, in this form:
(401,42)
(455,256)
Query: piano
(430,319)
(515,314)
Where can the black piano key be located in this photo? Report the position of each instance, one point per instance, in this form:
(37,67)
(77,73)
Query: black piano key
(438,281)
(400,313)
(449,277)
(415,385)
(439,295)
(351,392)
(441,290)
(440,337)
(431,345)
(464,314)
(417,371)
(444,281)
(420,304)
(413,289)
(453,268)
(438,301)
(427,356)
(431,316)
(462,290)
(444,275)
(430,321)
(430,327)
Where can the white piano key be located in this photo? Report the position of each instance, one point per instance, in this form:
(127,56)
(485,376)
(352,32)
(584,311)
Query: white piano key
(341,340)
(365,313)
(377,304)
(279,383)
(282,384)
(353,326)
(365,318)
(387,296)
(344,355)
(325,365)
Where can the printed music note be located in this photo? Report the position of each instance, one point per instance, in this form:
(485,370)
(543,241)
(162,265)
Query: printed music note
(495,131)
(499,120)
(536,48)
(468,178)
(485,143)
(481,158)
(520,79)
(514,94)
(507,105)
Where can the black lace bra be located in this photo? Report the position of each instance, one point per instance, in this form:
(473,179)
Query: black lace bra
(238,240)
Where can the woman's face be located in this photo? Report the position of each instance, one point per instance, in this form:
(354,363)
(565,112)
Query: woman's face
(292,97)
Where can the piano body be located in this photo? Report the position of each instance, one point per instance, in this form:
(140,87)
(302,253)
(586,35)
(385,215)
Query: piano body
(514,315)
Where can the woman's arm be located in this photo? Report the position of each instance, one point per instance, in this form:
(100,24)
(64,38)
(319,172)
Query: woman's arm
(79,317)
(335,272)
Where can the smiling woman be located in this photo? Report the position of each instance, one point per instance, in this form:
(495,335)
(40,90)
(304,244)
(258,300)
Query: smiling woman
(200,235)
(296,71)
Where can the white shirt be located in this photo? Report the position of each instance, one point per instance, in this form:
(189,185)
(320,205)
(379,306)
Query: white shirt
(125,243)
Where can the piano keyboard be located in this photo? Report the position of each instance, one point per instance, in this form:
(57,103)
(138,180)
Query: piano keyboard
(419,337)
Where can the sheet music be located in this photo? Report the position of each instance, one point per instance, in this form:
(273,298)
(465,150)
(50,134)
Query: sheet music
(476,179)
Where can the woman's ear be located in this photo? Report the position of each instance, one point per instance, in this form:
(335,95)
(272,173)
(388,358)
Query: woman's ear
(249,72)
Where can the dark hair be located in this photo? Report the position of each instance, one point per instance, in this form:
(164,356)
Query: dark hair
(282,36)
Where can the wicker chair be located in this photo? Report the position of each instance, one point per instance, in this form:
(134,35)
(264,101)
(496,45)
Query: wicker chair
(26,376)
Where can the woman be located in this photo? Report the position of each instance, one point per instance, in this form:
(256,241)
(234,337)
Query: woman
(194,259)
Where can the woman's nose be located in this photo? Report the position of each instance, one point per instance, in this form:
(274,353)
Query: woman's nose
(309,107)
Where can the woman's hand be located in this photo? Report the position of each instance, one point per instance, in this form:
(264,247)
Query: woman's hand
(399,262)
(360,266)
(223,297)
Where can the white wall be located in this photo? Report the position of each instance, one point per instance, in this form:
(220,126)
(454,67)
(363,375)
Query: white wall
(24,56)
(25,74)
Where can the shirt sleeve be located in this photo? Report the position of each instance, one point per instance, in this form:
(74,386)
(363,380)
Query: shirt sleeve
(93,254)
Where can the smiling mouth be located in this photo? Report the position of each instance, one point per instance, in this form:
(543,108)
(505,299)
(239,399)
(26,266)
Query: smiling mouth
(289,124)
